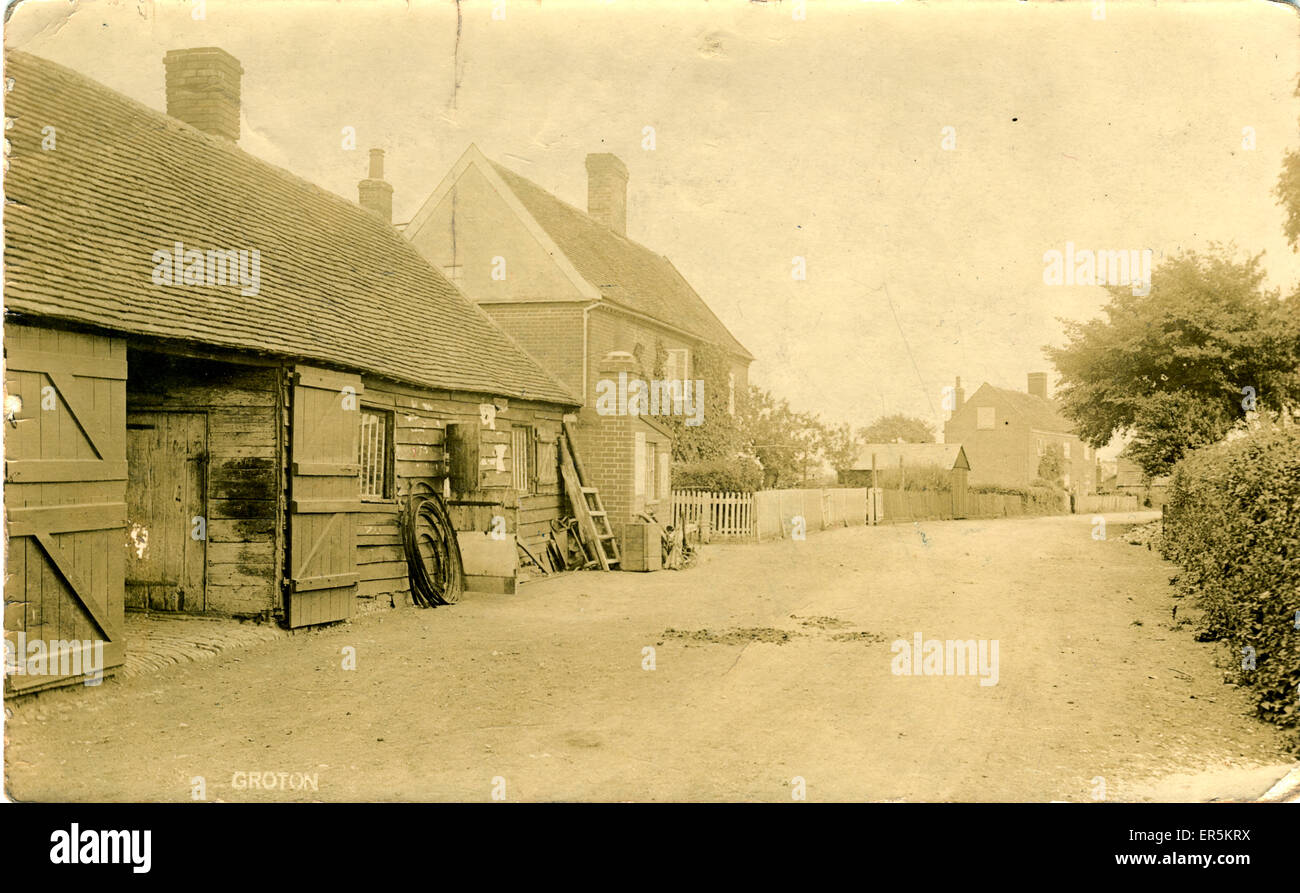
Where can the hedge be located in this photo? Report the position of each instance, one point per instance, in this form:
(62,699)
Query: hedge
(718,476)
(1232,523)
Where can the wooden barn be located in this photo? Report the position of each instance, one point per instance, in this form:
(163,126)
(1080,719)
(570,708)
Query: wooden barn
(222,381)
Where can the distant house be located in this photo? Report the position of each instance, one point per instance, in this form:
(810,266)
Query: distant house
(1007,433)
(1130,479)
(583,299)
(893,461)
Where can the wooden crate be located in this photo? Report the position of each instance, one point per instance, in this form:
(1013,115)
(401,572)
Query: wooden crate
(642,547)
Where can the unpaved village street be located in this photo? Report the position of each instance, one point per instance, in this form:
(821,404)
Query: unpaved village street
(758,678)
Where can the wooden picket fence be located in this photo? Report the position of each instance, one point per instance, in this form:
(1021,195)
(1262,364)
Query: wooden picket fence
(780,514)
(716,514)
(1109,502)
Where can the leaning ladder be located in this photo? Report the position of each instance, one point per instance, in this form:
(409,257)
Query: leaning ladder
(593,521)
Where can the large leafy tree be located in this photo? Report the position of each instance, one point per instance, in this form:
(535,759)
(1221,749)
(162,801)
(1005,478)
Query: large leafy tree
(896,427)
(1177,367)
(1288,193)
(784,441)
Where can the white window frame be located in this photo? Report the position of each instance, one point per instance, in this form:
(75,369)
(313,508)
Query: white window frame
(522,472)
(1065,448)
(375,448)
(675,369)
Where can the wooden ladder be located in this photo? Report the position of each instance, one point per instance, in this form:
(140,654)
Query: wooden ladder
(593,521)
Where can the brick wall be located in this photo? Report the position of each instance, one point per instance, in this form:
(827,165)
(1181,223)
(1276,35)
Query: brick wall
(551,333)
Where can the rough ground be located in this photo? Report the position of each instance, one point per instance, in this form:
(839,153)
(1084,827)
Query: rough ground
(771,662)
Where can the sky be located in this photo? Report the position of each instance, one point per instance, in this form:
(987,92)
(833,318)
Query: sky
(786,130)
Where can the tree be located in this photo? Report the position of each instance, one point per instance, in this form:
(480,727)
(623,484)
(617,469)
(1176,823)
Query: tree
(783,441)
(1052,466)
(838,445)
(1288,193)
(892,428)
(1178,366)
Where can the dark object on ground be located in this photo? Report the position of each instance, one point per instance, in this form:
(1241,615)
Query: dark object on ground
(432,551)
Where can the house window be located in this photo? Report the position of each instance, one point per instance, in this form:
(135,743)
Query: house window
(984,417)
(675,365)
(523,461)
(1066,448)
(375,454)
(651,475)
(731,393)
(1042,447)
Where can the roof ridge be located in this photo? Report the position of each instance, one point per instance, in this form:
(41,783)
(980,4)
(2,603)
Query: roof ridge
(348,289)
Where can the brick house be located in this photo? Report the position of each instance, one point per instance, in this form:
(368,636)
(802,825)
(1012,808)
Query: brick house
(583,299)
(1006,434)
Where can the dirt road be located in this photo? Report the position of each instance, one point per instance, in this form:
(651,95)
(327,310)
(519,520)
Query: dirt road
(771,662)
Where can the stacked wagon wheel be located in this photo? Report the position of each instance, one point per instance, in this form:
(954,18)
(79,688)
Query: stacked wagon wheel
(432,552)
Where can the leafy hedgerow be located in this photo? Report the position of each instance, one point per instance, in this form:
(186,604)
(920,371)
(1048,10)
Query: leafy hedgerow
(1232,523)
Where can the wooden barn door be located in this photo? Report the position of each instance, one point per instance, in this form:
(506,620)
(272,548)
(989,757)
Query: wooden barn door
(65,482)
(166,511)
(325,493)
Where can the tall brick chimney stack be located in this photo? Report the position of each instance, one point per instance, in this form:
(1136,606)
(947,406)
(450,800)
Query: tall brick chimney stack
(375,194)
(607,190)
(958,395)
(203,89)
(1038,384)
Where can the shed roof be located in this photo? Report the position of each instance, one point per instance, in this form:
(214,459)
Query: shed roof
(339,286)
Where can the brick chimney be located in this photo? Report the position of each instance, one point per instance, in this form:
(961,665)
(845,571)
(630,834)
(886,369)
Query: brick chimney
(203,90)
(607,190)
(1038,384)
(374,193)
(958,395)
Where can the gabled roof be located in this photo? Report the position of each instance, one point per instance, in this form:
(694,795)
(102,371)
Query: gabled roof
(1038,413)
(912,455)
(338,285)
(611,267)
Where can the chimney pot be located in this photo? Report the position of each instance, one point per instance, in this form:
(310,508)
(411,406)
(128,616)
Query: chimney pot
(375,194)
(203,89)
(1038,384)
(607,190)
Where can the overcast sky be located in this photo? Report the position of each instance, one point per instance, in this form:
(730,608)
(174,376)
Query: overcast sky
(777,137)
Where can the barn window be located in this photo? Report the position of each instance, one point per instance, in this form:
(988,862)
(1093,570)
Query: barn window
(523,461)
(985,417)
(375,454)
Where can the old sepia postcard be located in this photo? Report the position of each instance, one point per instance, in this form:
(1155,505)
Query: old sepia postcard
(607,401)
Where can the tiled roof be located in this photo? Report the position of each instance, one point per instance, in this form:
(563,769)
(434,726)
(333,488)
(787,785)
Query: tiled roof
(1039,413)
(624,272)
(912,455)
(338,285)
